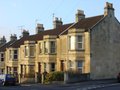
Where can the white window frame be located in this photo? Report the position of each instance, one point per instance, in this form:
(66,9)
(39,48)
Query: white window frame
(80,67)
(11,54)
(26,53)
(72,40)
(2,56)
(46,46)
(32,54)
(15,54)
(71,65)
(40,48)
(52,48)
(80,42)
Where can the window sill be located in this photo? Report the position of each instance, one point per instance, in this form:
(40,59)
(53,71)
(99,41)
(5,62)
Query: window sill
(77,50)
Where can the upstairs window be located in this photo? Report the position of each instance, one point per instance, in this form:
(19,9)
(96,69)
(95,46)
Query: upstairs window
(32,51)
(80,42)
(15,54)
(2,57)
(72,42)
(52,47)
(26,50)
(40,48)
(10,53)
(45,47)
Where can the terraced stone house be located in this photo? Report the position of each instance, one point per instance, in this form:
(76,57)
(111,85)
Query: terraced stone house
(88,45)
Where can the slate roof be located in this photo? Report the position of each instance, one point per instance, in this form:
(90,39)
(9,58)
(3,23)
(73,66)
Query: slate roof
(6,45)
(86,23)
(61,30)
(39,36)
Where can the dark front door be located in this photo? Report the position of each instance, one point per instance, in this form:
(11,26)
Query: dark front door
(62,66)
(39,72)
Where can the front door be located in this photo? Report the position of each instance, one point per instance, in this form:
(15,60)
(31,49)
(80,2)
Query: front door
(62,65)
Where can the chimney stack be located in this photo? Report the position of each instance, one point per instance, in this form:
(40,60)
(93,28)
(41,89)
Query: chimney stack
(79,15)
(25,33)
(39,28)
(13,37)
(57,22)
(2,40)
(108,10)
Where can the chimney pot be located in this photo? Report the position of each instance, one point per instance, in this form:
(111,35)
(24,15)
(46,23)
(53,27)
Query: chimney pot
(57,22)
(80,15)
(39,28)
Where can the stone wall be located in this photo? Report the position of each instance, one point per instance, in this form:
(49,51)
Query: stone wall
(105,49)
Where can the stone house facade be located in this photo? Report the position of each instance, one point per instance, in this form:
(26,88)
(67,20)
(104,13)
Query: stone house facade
(89,45)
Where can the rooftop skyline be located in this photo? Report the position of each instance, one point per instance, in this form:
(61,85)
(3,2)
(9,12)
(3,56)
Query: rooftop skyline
(17,14)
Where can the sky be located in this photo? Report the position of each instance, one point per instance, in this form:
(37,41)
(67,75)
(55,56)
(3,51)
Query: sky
(24,14)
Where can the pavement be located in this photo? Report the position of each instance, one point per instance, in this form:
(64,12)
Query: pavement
(86,83)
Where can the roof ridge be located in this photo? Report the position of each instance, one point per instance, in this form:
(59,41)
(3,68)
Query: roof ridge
(93,16)
(67,29)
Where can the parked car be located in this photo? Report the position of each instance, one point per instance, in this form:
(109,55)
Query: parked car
(118,77)
(7,79)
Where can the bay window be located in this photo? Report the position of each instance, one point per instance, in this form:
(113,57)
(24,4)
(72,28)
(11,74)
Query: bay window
(76,42)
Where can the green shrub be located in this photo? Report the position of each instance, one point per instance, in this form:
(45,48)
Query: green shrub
(54,76)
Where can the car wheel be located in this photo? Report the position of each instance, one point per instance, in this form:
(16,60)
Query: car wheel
(3,83)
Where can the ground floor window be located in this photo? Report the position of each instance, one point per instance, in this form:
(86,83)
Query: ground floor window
(52,66)
(71,65)
(62,65)
(80,66)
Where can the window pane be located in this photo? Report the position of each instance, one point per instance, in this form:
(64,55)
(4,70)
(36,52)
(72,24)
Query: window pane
(72,43)
(52,49)
(32,50)
(15,54)
(10,52)
(80,42)
(80,64)
(52,66)
(46,47)
(15,51)
(40,47)
(79,45)
(2,57)
(79,38)
(15,57)
(26,50)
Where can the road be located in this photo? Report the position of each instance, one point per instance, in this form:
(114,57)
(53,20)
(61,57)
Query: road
(109,87)
(90,85)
